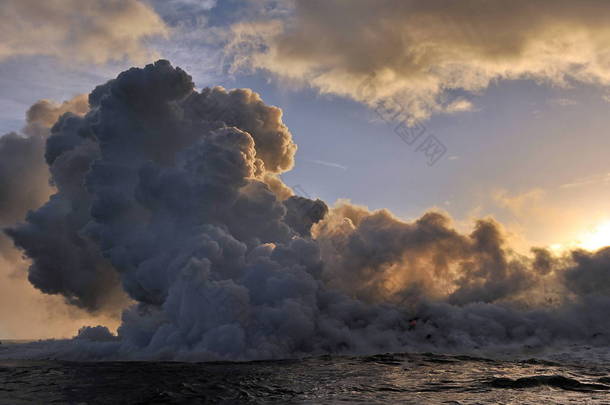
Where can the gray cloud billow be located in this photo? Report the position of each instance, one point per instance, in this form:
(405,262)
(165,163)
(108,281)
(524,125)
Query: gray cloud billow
(173,197)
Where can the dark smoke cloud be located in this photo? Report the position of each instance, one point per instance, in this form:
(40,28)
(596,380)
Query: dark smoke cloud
(303,213)
(24,175)
(175,194)
(590,274)
(25,186)
(64,262)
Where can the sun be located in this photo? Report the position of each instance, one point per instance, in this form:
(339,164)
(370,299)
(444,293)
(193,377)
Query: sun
(597,238)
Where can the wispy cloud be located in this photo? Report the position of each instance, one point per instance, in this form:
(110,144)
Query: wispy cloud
(328,164)
(599,179)
(460,105)
(563,102)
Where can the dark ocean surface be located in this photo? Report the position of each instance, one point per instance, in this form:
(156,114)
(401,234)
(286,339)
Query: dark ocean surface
(423,378)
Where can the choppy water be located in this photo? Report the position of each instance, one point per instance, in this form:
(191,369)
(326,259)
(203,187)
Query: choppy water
(387,378)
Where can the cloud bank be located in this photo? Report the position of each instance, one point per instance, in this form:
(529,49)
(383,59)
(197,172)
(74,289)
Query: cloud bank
(96,32)
(419,52)
(172,196)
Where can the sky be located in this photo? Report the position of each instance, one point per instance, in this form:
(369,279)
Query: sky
(516,96)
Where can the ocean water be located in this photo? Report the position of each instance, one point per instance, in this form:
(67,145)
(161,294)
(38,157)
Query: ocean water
(406,378)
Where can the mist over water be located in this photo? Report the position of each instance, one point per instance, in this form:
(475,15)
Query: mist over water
(167,204)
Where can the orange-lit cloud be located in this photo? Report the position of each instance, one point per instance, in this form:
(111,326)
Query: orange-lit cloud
(95,31)
(416,50)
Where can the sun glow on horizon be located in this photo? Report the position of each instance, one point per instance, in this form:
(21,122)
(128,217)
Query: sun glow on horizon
(597,238)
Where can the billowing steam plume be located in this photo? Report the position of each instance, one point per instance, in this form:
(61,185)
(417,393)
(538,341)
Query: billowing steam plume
(173,196)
